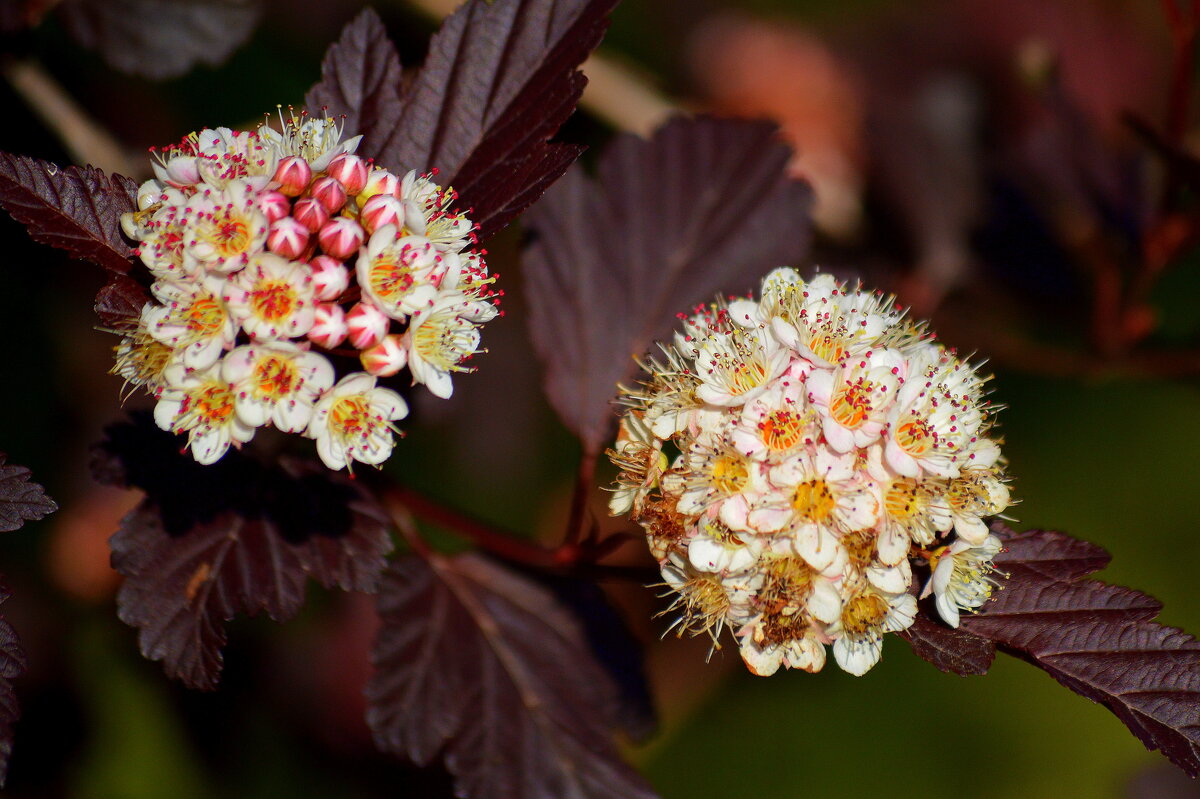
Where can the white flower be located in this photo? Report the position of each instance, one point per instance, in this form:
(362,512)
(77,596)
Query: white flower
(273,297)
(640,458)
(825,322)
(223,228)
(441,337)
(718,480)
(972,495)
(778,421)
(192,318)
(962,578)
(397,272)
(427,213)
(353,422)
(866,615)
(201,404)
(315,139)
(276,382)
(736,364)
(855,397)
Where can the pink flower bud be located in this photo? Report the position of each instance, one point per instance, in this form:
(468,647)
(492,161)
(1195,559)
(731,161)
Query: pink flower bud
(379,182)
(310,213)
(380,210)
(287,238)
(293,174)
(341,237)
(274,205)
(329,193)
(368,325)
(350,170)
(385,358)
(330,277)
(329,325)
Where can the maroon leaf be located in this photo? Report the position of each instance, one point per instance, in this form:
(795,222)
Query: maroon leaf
(1099,640)
(161,39)
(703,206)
(499,80)
(484,669)
(119,302)
(209,542)
(361,81)
(13,663)
(950,650)
(75,209)
(20,500)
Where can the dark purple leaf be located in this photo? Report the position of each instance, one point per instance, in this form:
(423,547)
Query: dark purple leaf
(20,500)
(702,207)
(210,542)
(949,649)
(499,81)
(119,302)
(161,39)
(13,663)
(17,15)
(75,209)
(361,81)
(482,668)
(1099,640)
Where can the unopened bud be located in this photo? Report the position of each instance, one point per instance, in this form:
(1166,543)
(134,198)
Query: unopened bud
(293,175)
(330,277)
(386,358)
(380,210)
(379,182)
(311,214)
(350,170)
(329,193)
(288,238)
(274,205)
(367,325)
(329,325)
(341,237)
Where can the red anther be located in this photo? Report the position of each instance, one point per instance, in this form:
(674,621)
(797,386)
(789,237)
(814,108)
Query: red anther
(310,213)
(293,175)
(329,193)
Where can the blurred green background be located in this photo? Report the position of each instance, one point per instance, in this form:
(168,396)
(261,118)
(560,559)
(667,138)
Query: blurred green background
(1100,454)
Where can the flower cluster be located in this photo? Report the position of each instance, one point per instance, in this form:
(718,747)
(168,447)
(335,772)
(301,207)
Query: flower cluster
(798,461)
(270,251)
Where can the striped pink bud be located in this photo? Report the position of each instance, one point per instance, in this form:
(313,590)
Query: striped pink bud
(350,170)
(294,175)
(330,277)
(311,214)
(329,193)
(380,210)
(341,237)
(386,358)
(367,324)
(329,325)
(379,182)
(288,238)
(274,205)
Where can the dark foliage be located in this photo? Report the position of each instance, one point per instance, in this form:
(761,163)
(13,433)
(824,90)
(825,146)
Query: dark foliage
(75,209)
(482,668)
(161,39)
(499,80)
(20,500)
(702,207)
(361,82)
(1099,640)
(949,649)
(209,542)
(13,663)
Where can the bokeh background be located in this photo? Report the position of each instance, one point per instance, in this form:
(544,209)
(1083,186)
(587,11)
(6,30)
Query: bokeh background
(975,157)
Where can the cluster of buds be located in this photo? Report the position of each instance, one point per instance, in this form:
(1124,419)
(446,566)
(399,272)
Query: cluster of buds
(270,251)
(798,461)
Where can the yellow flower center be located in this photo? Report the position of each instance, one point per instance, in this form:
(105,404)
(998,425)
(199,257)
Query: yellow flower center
(813,501)
(914,437)
(275,377)
(729,473)
(851,404)
(864,614)
(902,500)
(782,430)
(273,300)
(205,316)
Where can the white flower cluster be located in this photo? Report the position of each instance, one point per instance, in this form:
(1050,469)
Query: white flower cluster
(798,460)
(272,250)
